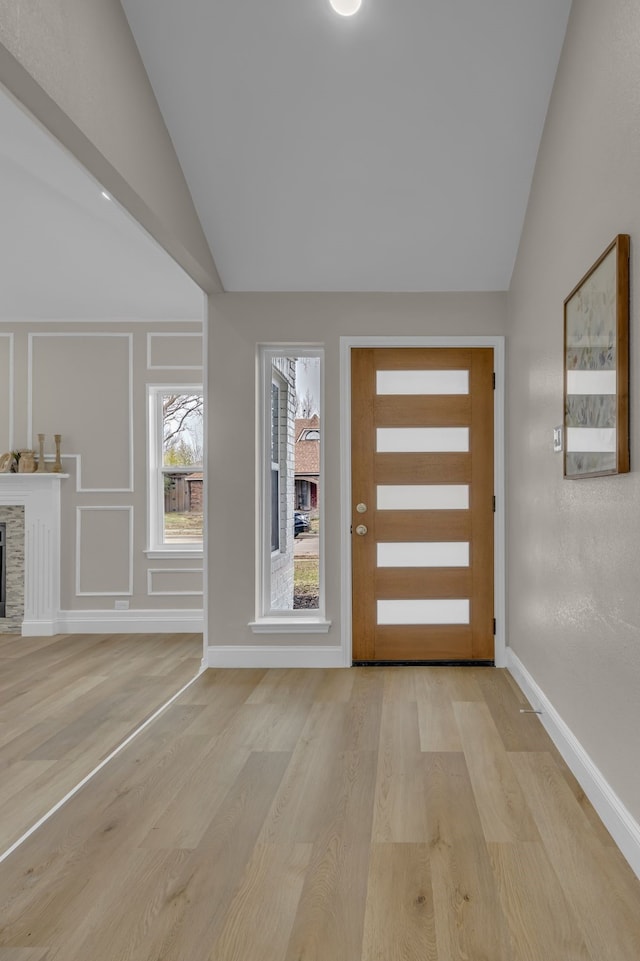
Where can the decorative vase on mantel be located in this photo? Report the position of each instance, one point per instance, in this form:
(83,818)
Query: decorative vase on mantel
(27,462)
(42,469)
(57,467)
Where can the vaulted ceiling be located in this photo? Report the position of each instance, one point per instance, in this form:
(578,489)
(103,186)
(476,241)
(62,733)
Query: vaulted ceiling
(392,150)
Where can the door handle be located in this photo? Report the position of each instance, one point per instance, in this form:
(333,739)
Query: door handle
(361,530)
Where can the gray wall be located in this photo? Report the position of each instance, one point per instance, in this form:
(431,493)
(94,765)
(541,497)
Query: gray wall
(75,65)
(73,379)
(238,323)
(573,588)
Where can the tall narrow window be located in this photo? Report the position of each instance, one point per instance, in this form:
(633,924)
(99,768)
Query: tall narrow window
(176,478)
(275,466)
(291,497)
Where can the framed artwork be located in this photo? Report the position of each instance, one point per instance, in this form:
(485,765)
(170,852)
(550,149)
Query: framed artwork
(596,367)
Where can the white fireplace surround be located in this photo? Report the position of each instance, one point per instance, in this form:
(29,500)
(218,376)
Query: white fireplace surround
(40,496)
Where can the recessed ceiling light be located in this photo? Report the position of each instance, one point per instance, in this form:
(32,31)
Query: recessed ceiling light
(346,8)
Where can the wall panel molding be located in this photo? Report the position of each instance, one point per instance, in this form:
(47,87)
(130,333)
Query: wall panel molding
(80,511)
(174,572)
(32,337)
(181,338)
(10,389)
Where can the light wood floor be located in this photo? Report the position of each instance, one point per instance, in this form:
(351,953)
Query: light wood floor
(67,701)
(377,814)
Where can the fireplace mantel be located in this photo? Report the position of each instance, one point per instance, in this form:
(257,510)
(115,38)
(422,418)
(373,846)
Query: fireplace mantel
(39,494)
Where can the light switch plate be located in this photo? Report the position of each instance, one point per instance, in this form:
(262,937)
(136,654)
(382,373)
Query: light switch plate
(558,438)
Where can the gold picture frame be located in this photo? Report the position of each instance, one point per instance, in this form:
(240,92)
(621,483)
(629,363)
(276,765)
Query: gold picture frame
(596,367)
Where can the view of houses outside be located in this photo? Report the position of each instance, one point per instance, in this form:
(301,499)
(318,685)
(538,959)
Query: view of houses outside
(307,480)
(294,455)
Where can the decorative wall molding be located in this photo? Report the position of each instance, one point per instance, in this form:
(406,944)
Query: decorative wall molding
(144,621)
(270,656)
(175,336)
(173,570)
(79,489)
(10,387)
(30,386)
(622,826)
(123,321)
(128,508)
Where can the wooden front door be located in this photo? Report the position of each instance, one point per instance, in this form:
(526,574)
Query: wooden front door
(422,504)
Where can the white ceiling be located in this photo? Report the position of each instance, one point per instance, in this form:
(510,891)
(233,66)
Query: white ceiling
(65,251)
(389,151)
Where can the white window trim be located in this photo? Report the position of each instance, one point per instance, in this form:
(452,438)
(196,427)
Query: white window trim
(268,621)
(156,549)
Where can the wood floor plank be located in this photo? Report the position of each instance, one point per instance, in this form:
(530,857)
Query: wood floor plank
(269,894)
(605,900)
(266,727)
(336,685)
(19,778)
(400,809)
(399,916)
(364,711)
(438,727)
(469,921)
(285,685)
(189,812)
(104,928)
(329,921)
(327,790)
(541,921)
(501,804)
(24,954)
(196,908)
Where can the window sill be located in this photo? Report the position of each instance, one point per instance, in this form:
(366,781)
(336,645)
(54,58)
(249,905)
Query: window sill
(174,553)
(290,625)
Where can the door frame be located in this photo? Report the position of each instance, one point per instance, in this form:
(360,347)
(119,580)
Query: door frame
(346,345)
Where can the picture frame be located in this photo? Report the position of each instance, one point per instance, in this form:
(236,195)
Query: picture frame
(596,367)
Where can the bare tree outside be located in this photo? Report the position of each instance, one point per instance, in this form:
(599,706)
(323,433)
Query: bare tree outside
(182,448)
(306,405)
(182,428)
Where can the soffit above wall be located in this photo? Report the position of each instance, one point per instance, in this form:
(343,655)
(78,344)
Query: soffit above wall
(68,253)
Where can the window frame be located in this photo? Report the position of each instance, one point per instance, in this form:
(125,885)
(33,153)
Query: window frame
(269,619)
(156,547)
(275,465)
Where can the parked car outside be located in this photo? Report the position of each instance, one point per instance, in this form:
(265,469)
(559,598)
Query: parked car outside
(300,523)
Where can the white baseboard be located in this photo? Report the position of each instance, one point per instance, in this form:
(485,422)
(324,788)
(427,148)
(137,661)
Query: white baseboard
(130,622)
(39,628)
(624,829)
(270,656)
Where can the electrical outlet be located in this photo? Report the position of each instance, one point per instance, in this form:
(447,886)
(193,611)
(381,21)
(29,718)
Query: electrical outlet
(121,605)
